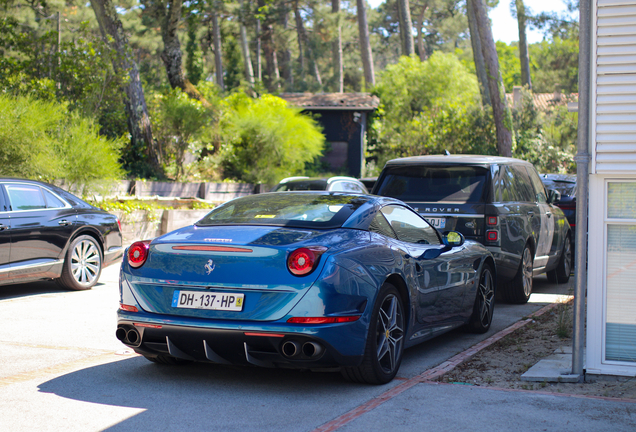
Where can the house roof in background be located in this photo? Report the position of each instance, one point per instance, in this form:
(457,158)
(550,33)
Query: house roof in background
(333,101)
(547,101)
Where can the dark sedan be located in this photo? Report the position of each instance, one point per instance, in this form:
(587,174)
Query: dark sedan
(48,233)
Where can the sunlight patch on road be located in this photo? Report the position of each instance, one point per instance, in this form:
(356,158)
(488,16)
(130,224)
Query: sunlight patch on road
(549,298)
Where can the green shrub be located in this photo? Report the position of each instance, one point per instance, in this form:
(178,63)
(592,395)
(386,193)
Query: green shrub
(264,140)
(41,140)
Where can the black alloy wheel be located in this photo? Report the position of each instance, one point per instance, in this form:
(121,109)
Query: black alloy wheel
(484,306)
(561,274)
(385,341)
(518,290)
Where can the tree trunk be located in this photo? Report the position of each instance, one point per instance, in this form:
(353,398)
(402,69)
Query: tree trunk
(271,62)
(501,113)
(169,14)
(337,48)
(135,102)
(218,54)
(365,45)
(420,35)
(299,37)
(247,58)
(302,34)
(406,27)
(288,73)
(478,55)
(259,61)
(524,58)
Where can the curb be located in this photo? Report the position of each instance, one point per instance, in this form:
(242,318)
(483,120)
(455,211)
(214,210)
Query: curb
(428,375)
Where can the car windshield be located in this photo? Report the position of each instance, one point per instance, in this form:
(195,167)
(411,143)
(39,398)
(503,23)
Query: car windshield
(303,210)
(459,184)
(566,185)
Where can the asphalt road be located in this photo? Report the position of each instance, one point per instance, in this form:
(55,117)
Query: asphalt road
(62,369)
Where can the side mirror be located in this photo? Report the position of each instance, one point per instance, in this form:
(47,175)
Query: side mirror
(453,238)
(554,196)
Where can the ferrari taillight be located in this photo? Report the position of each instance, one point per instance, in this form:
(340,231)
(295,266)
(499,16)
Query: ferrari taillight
(304,260)
(138,253)
(323,320)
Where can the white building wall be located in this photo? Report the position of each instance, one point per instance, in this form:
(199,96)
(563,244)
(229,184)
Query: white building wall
(613,150)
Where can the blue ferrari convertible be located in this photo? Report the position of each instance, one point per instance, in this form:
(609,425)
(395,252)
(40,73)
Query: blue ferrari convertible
(304,280)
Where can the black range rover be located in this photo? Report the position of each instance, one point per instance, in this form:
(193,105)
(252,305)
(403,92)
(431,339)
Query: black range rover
(499,202)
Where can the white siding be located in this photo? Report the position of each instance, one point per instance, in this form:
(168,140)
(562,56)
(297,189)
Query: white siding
(615,98)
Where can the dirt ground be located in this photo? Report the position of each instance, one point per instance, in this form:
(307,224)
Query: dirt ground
(502,364)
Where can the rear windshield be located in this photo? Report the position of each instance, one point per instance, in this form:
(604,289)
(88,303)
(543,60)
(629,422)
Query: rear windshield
(309,185)
(296,209)
(458,184)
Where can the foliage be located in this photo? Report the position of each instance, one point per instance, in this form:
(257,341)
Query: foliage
(194,60)
(553,63)
(179,125)
(546,139)
(80,74)
(42,140)
(509,64)
(264,140)
(428,107)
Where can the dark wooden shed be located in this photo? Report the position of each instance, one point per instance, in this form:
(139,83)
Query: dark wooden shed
(343,117)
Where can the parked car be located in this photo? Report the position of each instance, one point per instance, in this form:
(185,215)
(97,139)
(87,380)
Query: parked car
(48,233)
(331,184)
(565,184)
(303,280)
(499,202)
(369,182)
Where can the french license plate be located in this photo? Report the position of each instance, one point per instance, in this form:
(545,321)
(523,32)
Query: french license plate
(439,223)
(208,300)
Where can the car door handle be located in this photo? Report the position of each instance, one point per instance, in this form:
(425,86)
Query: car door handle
(63,222)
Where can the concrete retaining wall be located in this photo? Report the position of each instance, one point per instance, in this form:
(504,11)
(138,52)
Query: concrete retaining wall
(144,225)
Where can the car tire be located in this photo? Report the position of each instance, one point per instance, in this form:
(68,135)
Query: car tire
(167,360)
(518,290)
(484,305)
(82,265)
(561,274)
(385,340)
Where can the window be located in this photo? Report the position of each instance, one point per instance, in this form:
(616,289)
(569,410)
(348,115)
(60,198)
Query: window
(523,184)
(304,210)
(460,184)
(379,225)
(52,201)
(620,330)
(25,197)
(409,226)
(537,184)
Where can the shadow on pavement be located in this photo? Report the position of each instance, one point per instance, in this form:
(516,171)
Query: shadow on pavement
(200,395)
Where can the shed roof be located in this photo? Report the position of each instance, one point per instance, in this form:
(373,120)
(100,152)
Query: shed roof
(333,101)
(546,101)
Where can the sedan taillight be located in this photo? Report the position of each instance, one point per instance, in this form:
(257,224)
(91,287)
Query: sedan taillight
(304,260)
(138,253)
